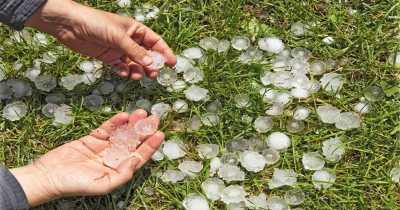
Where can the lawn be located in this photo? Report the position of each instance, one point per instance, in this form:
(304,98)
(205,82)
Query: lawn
(365,40)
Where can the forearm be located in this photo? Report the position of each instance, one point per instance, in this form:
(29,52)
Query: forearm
(34,183)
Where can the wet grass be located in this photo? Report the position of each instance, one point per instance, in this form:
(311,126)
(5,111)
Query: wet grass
(364,39)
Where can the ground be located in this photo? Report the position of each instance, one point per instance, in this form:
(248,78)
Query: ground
(364,39)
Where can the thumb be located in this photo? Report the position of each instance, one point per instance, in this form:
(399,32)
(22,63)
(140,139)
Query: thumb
(135,52)
(128,167)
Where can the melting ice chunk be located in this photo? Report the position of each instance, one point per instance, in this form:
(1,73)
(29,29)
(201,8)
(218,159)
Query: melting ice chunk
(173,176)
(263,124)
(233,194)
(332,82)
(294,126)
(45,82)
(323,178)
(318,67)
(62,115)
(209,43)
(191,168)
(237,144)
(167,77)
(210,119)
(19,88)
(193,75)
(328,113)
(301,53)
(271,156)
(301,113)
(208,151)
(256,202)
(182,64)
(125,136)
(374,93)
(230,173)
(193,53)
(158,60)
(69,82)
(271,44)
(223,45)
(105,87)
(213,188)
(86,66)
(395,174)
(348,120)
(282,177)
(93,102)
(173,149)
(252,161)
(332,150)
(49,109)
(15,111)
(311,161)
(295,197)
(146,126)
(195,201)
(242,100)
(278,141)
(194,123)
(277,203)
(196,93)
(240,42)
(5,91)
(115,156)
(161,110)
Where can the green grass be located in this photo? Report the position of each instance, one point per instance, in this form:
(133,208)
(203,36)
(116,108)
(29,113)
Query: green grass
(365,40)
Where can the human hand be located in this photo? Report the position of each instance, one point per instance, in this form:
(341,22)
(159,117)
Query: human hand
(77,168)
(118,41)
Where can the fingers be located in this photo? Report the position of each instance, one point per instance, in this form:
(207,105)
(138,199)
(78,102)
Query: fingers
(156,43)
(136,116)
(125,171)
(149,147)
(137,71)
(122,69)
(134,51)
(94,144)
(110,125)
(152,73)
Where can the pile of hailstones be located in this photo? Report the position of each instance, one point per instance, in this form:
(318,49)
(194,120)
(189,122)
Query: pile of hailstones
(290,69)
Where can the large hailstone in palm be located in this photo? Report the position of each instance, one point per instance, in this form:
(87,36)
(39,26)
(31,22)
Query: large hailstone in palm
(158,60)
(15,111)
(271,44)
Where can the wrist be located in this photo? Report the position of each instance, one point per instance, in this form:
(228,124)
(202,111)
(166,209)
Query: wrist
(35,184)
(54,16)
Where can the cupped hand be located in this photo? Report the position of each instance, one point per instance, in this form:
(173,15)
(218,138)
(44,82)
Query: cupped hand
(77,168)
(118,41)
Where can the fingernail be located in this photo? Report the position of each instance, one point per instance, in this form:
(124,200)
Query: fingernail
(135,161)
(147,60)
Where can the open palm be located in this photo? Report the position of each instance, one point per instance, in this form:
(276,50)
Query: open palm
(77,168)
